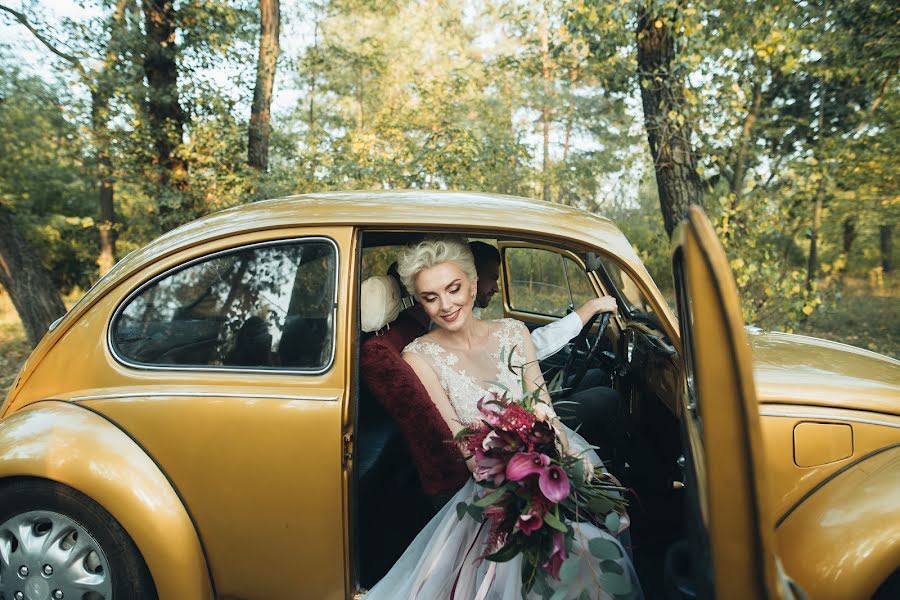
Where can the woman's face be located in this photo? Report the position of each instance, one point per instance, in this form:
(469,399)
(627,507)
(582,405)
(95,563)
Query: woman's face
(447,294)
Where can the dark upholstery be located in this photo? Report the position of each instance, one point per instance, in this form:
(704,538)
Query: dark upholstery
(405,455)
(305,342)
(394,384)
(252,346)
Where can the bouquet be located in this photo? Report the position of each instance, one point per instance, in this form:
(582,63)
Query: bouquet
(533,493)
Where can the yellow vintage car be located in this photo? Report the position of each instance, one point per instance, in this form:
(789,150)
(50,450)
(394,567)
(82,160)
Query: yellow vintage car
(197,427)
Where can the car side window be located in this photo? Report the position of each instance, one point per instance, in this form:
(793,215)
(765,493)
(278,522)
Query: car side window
(262,307)
(544,282)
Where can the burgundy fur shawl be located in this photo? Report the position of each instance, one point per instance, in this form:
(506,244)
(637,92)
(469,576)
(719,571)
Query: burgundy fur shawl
(437,458)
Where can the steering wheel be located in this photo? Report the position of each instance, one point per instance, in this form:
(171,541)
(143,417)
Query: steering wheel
(583,353)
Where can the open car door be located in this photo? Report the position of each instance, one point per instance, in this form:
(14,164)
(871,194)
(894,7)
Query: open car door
(731,526)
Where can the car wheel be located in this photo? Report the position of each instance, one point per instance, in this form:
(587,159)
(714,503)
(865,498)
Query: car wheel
(58,544)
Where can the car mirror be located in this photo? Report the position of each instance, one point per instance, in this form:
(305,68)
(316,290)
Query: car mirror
(592,262)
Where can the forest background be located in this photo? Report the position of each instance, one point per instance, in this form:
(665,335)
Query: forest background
(122,119)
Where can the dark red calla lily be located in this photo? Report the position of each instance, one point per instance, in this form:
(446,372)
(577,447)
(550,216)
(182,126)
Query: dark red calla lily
(523,464)
(553,481)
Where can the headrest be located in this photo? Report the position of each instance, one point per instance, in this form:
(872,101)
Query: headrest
(379,302)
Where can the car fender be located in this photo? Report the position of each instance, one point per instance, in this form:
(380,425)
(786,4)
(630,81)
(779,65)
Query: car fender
(842,539)
(71,444)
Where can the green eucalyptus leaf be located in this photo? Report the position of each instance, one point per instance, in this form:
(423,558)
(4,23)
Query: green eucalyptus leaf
(540,584)
(612,522)
(576,472)
(476,513)
(560,593)
(615,584)
(569,569)
(611,566)
(604,549)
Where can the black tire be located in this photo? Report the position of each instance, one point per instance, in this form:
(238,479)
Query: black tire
(129,575)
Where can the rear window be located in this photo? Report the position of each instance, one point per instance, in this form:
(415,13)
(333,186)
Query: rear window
(261,307)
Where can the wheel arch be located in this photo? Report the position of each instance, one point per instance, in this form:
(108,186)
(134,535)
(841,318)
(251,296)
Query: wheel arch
(842,539)
(72,445)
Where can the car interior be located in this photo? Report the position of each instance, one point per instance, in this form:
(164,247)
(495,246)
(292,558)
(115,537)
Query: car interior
(396,448)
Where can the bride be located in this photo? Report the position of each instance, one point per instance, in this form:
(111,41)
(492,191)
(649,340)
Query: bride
(461,360)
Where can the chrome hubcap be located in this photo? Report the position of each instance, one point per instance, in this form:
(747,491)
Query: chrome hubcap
(47,556)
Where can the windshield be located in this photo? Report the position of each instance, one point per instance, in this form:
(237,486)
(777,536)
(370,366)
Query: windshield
(630,297)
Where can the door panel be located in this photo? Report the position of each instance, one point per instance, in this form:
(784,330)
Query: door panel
(734,528)
(261,478)
(240,400)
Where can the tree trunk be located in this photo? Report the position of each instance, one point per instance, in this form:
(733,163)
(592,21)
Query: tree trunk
(545,102)
(570,112)
(360,98)
(166,119)
(662,97)
(23,277)
(886,235)
(740,156)
(100,95)
(106,182)
(312,141)
(108,233)
(849,226)
(812,267)
(260,112)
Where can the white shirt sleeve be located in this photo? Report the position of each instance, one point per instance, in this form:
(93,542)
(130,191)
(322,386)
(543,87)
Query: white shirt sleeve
(550,339)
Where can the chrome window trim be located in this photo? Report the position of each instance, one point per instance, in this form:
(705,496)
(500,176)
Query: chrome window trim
(825,418)
(228,369)
(157,394)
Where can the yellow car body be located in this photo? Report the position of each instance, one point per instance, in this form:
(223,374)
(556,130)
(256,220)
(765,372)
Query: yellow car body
(239,482)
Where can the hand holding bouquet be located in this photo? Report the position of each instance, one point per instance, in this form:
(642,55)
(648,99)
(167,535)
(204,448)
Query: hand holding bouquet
(536,491)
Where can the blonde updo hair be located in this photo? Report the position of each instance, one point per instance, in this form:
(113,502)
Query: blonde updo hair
(434,251)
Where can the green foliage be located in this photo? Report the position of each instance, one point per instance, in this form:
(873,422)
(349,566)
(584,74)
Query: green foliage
(788,102)
(43,176)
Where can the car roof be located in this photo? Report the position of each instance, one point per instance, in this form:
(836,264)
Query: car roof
(439,210)
(422,210)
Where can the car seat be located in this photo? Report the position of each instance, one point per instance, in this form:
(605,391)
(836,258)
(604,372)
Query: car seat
(406,455)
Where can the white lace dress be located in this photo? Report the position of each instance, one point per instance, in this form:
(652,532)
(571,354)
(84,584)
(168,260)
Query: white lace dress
(444,561)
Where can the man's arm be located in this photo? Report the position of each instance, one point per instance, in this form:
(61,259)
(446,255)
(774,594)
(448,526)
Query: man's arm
(550,339)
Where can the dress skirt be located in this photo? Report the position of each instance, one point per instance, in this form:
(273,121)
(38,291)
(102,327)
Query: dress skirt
(445,561)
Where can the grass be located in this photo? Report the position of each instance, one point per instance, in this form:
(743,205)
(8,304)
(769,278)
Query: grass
(863,316)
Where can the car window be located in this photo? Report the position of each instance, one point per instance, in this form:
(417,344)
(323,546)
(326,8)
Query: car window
(544,282)
(377,259)
(626,290)
(267,306)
